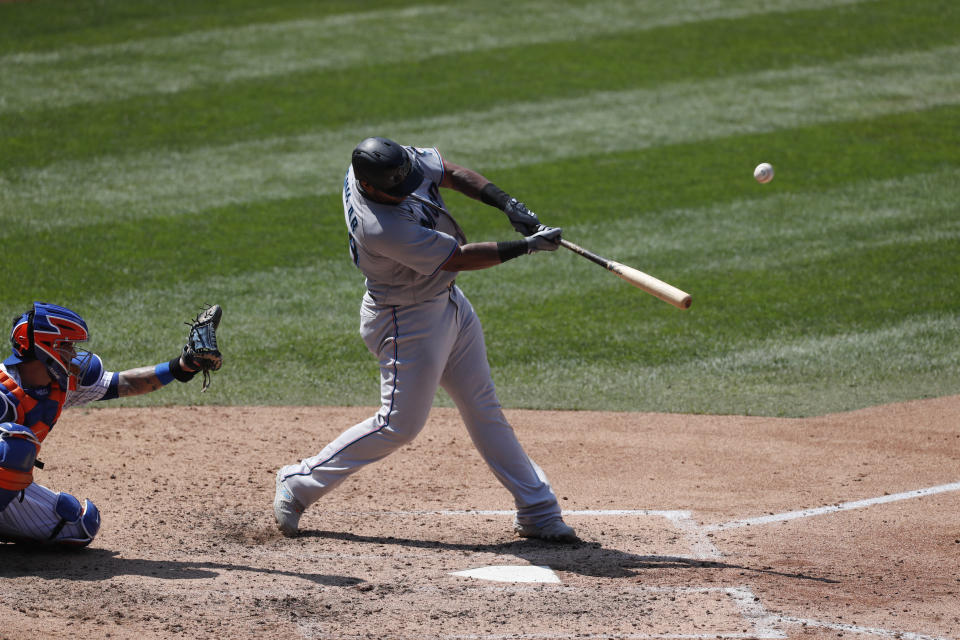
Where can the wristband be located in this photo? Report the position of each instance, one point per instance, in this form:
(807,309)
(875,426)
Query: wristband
(494,196)
(512,249)
(178,372)
(162,372)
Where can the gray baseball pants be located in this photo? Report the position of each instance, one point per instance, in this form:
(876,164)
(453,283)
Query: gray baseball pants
(420,346)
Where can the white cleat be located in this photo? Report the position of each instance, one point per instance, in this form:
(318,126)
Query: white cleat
(555,530)
(286,509)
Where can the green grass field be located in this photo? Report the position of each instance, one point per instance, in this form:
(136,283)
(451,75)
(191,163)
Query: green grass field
(158,156)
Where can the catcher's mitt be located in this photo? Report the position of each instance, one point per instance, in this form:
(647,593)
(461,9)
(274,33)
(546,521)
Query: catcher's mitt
(201,350)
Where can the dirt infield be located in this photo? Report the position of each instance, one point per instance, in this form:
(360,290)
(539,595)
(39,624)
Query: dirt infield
(694,527)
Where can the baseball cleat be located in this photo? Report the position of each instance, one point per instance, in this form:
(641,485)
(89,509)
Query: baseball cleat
(555,530)
(286,509)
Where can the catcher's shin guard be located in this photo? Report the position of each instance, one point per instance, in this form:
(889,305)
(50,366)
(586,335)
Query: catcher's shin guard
(78,524)
(18,452)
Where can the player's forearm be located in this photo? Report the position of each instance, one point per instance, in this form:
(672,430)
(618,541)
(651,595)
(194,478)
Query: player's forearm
(472,184)
(483,255)
(135,382)
(473,256)
(466,181)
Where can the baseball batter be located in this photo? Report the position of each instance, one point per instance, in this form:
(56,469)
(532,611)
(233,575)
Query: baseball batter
(45,375)
(423,330)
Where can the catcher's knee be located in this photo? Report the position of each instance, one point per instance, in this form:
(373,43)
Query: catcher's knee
(18,452)
(79,523)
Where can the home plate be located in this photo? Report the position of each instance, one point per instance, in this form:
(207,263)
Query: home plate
(524,573)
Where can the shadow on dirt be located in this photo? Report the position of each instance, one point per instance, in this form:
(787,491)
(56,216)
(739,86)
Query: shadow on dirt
(584,558)
(50,563)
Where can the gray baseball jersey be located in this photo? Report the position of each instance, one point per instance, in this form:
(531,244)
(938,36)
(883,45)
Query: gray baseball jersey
(400,248)
(424,334)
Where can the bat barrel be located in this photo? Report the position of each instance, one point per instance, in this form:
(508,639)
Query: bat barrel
(644,281)
(653,286)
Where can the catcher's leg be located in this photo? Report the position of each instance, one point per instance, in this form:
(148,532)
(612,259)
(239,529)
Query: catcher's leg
(467,379)
(30,512)
(411,343)
(49,517)
(18,451)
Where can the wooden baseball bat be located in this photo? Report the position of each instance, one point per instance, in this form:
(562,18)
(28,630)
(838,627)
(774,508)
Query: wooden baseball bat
(639,279)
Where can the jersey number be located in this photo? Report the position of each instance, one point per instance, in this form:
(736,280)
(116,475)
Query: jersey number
(354,254)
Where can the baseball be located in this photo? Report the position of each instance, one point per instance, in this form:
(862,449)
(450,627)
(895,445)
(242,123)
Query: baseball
(763,173)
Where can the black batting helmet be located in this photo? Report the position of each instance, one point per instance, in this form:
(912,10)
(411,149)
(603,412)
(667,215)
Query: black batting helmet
(387,166)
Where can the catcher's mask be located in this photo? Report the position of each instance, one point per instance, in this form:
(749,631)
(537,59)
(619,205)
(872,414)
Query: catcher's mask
(388,166)
(48,332)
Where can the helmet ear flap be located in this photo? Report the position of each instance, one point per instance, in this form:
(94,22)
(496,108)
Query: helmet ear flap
(31,341)
(22,338)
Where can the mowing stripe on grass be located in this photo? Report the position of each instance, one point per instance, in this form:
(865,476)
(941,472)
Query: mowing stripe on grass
(315,308)
(778,232)
(774,233)
(295,103)
(307,313)
(155,184)
(778,376)
(74,74)
(786,228)
(917,341)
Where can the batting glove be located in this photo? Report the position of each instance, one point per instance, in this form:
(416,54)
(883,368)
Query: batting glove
(545,239)
(522,219)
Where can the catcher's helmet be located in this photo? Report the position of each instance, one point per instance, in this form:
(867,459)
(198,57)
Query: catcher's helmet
(47,332)
(388,166)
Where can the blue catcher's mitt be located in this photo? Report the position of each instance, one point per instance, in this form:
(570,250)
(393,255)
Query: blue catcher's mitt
(201,351)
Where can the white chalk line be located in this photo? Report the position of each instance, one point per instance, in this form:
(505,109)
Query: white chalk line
(509,512)
(852,628)
(765,624)
(700,545)
(844,506)
(743,599)
(608,636)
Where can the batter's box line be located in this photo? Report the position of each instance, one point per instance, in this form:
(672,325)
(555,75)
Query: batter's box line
(701,547)
(852,628)
(833,508)
(764,624)
(698,534)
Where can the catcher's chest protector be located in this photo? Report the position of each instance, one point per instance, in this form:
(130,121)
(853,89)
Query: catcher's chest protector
(39,414)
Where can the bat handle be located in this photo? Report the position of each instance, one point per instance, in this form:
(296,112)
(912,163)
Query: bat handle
(589,255)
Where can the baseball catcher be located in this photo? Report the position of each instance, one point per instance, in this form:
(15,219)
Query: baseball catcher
(46,374)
